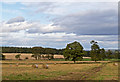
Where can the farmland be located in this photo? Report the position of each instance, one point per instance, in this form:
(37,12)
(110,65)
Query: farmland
(59,40)
(24,55)
(59,70)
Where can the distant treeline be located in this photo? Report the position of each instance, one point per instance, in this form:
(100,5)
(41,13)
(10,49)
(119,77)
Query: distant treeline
(31,50)
(41,50)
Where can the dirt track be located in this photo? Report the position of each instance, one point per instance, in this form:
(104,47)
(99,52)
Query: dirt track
(81,75)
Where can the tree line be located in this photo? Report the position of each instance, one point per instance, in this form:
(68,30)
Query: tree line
(41,50)
(73,51)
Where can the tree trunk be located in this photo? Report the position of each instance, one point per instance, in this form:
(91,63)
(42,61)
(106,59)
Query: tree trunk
(74,61)
(48,56)
(36,58)
(95,61)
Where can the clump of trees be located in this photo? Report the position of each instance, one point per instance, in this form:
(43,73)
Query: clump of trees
(100,54)
(74,51)
(39,52)
(113,54)
(18,56)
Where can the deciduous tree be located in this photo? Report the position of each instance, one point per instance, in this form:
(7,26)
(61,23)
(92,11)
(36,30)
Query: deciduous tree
(74,51)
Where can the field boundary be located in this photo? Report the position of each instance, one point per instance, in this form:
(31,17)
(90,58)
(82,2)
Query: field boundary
(57,63)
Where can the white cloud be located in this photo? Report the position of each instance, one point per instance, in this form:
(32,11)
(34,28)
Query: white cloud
(14,27)
(17,24)
(56,40)
(43,28)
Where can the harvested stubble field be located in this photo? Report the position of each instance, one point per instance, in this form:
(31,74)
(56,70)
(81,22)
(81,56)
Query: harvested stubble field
(24,55)
(61,71)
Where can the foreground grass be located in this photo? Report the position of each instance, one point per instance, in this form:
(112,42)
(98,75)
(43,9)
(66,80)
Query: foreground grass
(109,72)
(26,72)
(61,70)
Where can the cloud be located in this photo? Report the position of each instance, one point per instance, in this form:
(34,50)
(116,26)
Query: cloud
(78,18)
(15,27)
(68,22)
(65,8)
(43,28)
(16,19)
(30,27)
(90,23)
(56,40)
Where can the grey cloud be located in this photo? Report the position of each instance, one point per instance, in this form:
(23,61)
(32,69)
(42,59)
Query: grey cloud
(16,19)
(92,23)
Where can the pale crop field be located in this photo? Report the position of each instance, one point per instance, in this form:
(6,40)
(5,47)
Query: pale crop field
(24,55)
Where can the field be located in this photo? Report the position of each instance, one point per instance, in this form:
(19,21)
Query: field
(24,55)
(59,70)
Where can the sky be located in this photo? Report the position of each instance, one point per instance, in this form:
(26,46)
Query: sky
(55,24)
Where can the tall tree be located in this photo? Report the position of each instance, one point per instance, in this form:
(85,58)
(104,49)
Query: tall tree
(95,51)
(74,51)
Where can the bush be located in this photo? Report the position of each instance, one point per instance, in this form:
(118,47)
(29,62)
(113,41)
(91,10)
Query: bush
(2,57)
(26,57)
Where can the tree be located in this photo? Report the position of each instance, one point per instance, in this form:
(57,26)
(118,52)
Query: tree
(50,53)
(117,54)
(95,51)
(18,56)
(109,54)
(102,53)
(74,51)
(37,51)
(2,57)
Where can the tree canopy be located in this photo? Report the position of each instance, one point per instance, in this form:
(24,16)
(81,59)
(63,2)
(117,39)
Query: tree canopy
(96,53)
(74,51)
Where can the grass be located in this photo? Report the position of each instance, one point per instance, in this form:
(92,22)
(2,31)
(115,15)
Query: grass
(26,72)
(109,72)
(112,59)
(57,60)
(86,60)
